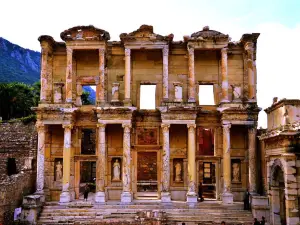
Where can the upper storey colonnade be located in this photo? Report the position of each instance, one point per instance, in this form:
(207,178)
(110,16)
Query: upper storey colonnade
(68,89)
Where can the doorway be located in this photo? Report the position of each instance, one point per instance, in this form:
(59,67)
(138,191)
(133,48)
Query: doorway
(87,176)
(147,185)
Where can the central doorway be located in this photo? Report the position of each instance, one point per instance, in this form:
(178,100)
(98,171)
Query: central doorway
(147,185)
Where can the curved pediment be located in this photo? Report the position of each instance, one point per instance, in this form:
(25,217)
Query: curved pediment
(206,33)
(85,33)
(145,33)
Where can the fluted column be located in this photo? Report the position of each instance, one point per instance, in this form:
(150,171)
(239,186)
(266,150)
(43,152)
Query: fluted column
(69,75)
(165,195)
(65,195)
(224,74)
(191,77)
(252,159)
(127,81)
(227,196)
(100,164)
(101,85)
(192,194)
(126,195)
(44,77)
(40,158)
(250,70)
(165,73)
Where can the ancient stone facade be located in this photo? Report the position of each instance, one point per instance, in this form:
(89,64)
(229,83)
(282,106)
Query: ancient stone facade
(281,165)
(18,144)
(135,153)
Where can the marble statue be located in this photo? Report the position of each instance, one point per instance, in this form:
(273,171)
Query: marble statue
(178,172)
(58,171)
(236,172)
(116,170)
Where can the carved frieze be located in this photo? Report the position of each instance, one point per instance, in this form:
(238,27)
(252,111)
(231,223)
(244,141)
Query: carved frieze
(85,33)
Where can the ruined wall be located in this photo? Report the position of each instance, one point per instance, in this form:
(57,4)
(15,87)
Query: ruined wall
(17,141)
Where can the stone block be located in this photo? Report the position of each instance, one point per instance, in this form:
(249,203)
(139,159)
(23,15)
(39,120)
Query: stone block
(126,197)
(100,197)
(227,198)
(165,197)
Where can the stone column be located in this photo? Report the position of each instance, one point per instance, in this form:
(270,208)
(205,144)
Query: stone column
(191,77)
(250,69)
(126,195)
(227,196)
(44,77)
(165,195)
(252,159)
(165,51)
(224,74)
(69,76)
(192,194)
(127,80)
(40,180)
(101,164)
(65,195)
(101,85)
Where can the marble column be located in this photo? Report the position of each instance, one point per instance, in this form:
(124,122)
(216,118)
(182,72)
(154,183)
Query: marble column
(127,81)
(252,159)
(100,164)
(165,51)
(101,85)
(65,195)
(191,76)
(227,196)
(40,179)
(165,195)
(69,75)
(224,75)
(44,77)
(250,70)
(192,194)
(126,195)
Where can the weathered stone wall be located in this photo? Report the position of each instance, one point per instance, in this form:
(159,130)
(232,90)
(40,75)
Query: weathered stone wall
(17,141)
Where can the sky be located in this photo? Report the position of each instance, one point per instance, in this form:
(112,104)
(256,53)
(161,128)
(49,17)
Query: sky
(278,21)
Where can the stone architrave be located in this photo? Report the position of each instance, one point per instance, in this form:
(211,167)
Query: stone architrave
(115,92)
(227,196)
(69,75)
(44,77)
(100,164)
(224,73)
(127,82)
(165,51)
(250,69)
(252,159)
(65,195)
(101,85)
(165,195)
(192,194)
(40,180)
(191,76)
(126,195)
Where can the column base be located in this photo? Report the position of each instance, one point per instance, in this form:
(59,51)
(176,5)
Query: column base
(65,197)
(191,100)
(165,197)
(224,101)
(41,194)
(100,197)
(191,197)
(126,197)
(127,102)
(227,198)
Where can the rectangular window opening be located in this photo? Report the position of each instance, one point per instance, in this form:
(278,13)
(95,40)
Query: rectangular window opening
(88,96)
(147,96)
(88,141)
(206,94)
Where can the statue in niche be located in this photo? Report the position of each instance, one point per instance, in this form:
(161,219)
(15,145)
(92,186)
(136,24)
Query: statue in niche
(58,171)
(236,172)
(178,172)
(116,171)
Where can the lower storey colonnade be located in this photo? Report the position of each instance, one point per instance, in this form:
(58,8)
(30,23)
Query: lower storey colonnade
(168,173)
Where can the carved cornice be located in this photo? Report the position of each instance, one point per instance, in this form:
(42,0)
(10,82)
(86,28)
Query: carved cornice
(145,32)
(85,33)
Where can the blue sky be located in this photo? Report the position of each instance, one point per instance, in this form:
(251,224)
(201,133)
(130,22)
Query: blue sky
(278,21)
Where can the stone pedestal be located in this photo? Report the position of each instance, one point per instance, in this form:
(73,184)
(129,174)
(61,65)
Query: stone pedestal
(31,208)
(227,198)
(65,197)
(126,197)
(192,198)
(260,207)
(165,197)
(100,197)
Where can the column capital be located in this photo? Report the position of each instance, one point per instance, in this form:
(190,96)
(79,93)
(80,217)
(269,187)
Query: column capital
(69,50)
(224,50)
(101,51)
(191,126)
(252,129)
(249,46)
(67,126)
(40,126)
(165,127)
(165,50)
(127,51)
(101,126)
(127,127)
(191,50)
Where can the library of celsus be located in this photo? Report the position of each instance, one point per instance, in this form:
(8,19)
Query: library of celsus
(168,116)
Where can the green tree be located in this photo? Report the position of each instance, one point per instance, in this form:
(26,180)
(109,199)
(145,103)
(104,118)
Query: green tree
(85,98)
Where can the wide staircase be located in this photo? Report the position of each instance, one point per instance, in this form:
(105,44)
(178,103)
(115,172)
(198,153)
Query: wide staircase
(175,213)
